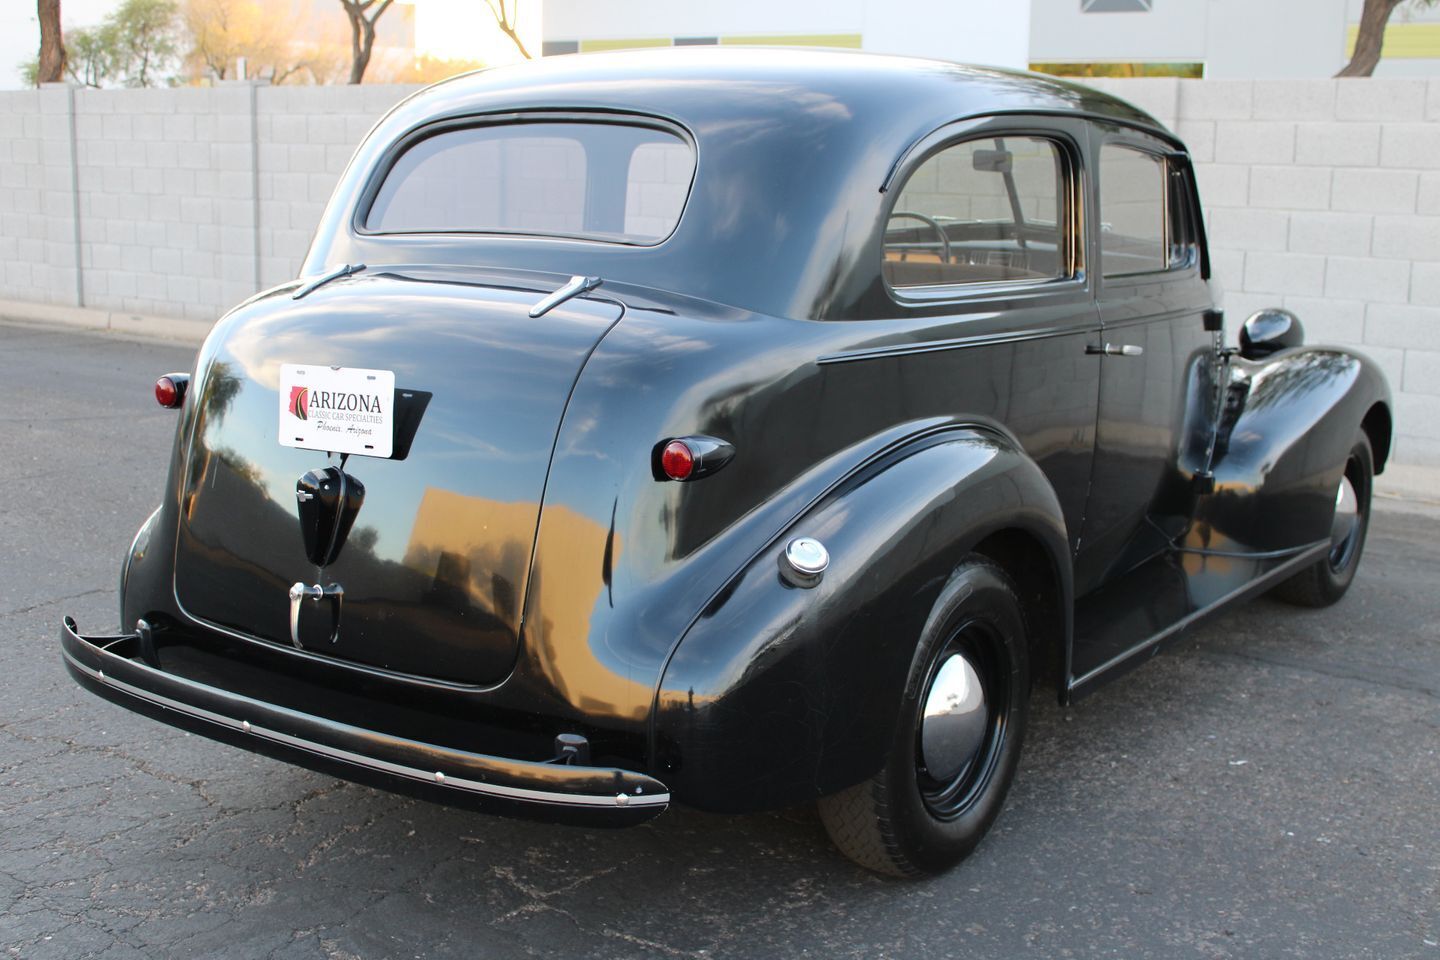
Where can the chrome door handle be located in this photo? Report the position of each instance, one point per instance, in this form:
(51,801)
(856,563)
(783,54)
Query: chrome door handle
(1115,349)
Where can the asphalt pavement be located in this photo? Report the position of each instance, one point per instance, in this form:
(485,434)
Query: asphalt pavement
(1268,789)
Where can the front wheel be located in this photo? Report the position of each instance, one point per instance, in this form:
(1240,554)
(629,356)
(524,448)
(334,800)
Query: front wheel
(957,742)
(1326,580)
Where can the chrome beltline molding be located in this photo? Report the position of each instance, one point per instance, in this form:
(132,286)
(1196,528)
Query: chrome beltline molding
(437,778)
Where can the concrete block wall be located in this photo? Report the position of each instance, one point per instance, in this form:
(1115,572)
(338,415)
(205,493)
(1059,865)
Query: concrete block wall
(178,203)
(304,138)
(1322,196)
(167,221)
(37,217)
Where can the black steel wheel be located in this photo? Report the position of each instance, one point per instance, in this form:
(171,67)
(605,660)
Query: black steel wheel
(1325,581)
(958,739)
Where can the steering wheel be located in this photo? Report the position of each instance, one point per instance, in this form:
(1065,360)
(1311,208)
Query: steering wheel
(930,222)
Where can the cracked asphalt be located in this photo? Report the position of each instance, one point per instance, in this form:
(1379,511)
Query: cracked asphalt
(1267,789)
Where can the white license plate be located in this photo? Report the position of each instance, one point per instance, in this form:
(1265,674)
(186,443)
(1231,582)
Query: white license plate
(337,409)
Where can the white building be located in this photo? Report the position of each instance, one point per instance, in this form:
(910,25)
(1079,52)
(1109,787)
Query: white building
(978,31)
(1212,38)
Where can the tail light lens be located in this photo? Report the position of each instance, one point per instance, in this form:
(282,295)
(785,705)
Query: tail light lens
(677,460)
(170,390)
(690,458)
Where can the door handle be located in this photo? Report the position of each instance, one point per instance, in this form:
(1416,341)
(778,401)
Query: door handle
(1115,349)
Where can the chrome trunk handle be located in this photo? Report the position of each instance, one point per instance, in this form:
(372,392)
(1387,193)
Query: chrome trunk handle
(300,592)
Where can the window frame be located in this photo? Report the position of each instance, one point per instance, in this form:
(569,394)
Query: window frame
(1072,211)
(385,164)
(1178,213)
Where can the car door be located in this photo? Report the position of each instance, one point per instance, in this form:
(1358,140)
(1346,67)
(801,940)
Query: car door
(1157,361)
(984,246)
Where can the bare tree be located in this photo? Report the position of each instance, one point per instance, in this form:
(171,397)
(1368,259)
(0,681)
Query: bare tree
(52,46)
(1371,39)
(506,20)
(362,32)
(261,31)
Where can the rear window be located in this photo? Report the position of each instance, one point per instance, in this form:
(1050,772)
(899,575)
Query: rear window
(624,183)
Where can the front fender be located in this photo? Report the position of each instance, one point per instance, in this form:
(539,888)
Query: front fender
(1284,437)
(777,694)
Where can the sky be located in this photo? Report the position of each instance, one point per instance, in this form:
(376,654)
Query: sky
(465,30)
(449,29)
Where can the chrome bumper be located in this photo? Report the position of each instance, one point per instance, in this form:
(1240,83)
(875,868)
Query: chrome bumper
(111,667)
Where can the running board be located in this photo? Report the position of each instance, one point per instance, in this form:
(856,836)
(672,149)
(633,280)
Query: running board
(1114,634)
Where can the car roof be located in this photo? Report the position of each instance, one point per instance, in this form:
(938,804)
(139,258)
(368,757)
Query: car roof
(867,87)
(793,149)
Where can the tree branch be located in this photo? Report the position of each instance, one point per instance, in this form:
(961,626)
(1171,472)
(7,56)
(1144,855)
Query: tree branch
(507,24)
(1370,39)
(362,32)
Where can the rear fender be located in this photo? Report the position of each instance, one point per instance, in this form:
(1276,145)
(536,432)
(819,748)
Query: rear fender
(1286,431)
(778,694)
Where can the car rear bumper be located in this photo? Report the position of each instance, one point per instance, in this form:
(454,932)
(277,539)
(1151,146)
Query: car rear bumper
(113,667)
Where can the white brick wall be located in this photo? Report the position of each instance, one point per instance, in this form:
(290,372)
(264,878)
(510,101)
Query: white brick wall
(1321,195)
(305,136)
(37,222)
(189,200)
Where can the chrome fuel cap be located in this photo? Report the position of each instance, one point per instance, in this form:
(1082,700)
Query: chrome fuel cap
(804,561)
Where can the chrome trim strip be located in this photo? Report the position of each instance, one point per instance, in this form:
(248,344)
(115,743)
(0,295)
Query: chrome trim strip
(957,343)
(1243,555)
(385,766)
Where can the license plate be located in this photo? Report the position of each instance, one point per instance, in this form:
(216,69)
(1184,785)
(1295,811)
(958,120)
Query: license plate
(337,409)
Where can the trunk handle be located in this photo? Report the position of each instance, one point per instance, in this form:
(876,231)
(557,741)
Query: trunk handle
(299,592)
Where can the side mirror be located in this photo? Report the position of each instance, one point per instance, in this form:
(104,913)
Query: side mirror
(1270,331)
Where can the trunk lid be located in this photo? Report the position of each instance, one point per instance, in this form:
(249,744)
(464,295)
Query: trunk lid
(434,565)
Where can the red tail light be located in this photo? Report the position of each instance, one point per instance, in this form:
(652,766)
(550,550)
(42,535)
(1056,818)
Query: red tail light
(689,458)
(677,460)
(170,390)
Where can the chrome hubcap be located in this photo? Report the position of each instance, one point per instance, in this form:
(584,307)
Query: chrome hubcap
(1346,522)
(953,725)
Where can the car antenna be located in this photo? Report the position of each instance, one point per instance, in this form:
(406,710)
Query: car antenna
(574,288)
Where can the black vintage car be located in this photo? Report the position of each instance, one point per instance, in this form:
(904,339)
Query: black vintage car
(742,428)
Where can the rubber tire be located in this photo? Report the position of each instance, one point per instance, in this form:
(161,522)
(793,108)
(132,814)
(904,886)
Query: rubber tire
(1320,584)
(883,823)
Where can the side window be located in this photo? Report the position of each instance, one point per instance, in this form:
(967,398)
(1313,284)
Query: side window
(1135,227)
(981,211)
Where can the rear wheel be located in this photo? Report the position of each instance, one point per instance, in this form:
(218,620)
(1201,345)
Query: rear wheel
(957,742)
(1326,580)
